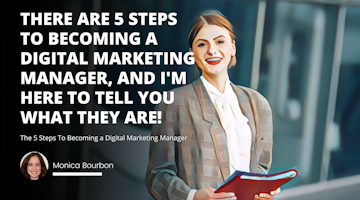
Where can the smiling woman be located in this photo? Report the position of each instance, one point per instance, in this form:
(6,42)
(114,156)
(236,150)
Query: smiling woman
(201,37)
(214,49)
(33,166)
(228,127)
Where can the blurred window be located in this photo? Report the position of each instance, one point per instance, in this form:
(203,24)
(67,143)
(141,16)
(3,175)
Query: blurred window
(345,135)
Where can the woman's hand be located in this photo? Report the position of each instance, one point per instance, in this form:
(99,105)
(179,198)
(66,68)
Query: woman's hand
(208,193)
(264,196)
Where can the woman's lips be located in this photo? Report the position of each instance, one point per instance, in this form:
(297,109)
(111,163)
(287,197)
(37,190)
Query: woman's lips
(213,61)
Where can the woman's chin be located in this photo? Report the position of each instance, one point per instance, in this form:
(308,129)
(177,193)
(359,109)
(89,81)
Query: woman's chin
(216,72)
(34,177)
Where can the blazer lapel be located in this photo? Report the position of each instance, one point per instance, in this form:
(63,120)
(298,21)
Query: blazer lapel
(245,106)
(217,132)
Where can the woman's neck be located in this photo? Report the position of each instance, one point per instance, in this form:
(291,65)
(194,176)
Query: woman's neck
(217,81)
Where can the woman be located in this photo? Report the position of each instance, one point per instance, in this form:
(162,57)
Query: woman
(33,166)
(229,127)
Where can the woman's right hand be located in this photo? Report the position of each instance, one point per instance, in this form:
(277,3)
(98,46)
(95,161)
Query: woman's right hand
(208,193)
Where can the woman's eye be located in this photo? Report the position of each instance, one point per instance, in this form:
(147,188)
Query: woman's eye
(37,164)
(220,41)
(201,45)
(30,164)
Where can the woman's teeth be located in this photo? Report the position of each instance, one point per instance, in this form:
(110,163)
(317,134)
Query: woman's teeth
(213,59)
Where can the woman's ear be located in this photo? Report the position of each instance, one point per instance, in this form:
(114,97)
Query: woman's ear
(233,53)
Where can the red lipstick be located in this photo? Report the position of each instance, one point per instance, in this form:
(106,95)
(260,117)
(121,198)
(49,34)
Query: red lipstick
(213,60)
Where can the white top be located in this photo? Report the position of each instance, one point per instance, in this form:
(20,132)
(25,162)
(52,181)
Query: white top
(238,132)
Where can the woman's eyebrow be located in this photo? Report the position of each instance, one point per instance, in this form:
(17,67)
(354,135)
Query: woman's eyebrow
(199,40)
(218,37)
(206,40)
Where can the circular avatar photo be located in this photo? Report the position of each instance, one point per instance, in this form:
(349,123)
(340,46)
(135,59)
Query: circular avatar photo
(34,165)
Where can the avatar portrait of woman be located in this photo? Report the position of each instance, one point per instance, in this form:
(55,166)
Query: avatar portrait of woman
(33,166)
(228,127)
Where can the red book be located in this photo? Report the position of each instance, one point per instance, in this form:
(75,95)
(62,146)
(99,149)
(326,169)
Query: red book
(247,185)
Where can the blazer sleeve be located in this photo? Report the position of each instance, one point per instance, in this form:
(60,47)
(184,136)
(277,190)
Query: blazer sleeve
(161,177)
(266,140)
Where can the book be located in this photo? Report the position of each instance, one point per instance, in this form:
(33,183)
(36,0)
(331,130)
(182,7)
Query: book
(247,185)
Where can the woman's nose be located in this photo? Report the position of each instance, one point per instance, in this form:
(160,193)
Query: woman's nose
(212,49)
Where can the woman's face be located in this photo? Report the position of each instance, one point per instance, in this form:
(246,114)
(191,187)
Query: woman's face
(34,168)
(213,49)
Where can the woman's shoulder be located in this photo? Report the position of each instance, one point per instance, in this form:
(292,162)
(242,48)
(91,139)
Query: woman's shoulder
(184,90)
(253,94)
(250,91)
(182,96)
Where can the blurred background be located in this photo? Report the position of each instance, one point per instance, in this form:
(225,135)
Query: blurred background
(303,56)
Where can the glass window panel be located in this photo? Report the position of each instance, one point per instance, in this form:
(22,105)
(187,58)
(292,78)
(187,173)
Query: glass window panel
(345,132)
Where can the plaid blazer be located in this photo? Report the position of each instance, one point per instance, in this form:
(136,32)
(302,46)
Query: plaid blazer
(202,160)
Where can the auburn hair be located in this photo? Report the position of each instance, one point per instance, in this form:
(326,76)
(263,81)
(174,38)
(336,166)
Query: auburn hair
(211,17)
